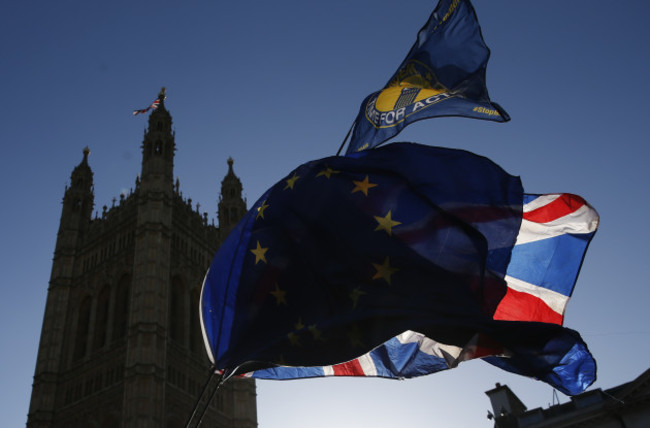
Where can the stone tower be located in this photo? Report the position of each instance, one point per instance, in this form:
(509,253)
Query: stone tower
(231,205)
(121,344)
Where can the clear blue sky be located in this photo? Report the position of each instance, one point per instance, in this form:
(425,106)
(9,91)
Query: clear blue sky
(275,84)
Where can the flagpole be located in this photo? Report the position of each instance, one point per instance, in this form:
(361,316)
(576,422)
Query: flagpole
(201,407)
(346,138)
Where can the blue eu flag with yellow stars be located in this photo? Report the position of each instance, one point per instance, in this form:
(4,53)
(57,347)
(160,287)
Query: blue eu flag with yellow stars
(345,253)
(442,75)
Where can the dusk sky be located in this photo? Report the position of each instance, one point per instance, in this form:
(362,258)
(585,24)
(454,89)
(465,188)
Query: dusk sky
(276,84)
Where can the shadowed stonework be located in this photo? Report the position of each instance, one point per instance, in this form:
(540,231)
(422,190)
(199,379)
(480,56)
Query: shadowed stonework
(121,343)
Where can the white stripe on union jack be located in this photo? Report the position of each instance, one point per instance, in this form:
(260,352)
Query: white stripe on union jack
(555,301)
(362,366)
(554,235)
(556,222)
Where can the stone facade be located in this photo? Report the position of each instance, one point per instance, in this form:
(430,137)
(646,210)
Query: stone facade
(121,344)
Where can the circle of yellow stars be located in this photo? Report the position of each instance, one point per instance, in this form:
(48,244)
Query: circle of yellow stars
(383,271)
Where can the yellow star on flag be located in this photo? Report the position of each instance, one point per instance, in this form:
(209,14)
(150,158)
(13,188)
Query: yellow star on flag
(280,296)
(327,172)
(384,270)
(260,210)
(299,325)
(316,333)
(291,181)
(386,223)
(259,253)
(294,339)
(356,293)
(363,186)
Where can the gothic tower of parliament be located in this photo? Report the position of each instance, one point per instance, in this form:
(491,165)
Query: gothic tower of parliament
(121,344)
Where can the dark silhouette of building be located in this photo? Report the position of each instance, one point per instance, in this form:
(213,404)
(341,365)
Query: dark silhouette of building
(121,344)
(624,406)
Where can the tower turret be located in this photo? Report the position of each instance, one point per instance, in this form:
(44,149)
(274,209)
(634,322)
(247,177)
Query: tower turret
(79,199)
(158,149)
(78,202)
(231,205)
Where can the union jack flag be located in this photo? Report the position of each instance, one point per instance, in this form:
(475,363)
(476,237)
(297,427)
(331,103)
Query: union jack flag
(153,106)
(554,235)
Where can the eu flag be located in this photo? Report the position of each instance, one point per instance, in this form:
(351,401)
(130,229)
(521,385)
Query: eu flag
(346,253)
(544,264)
(442,75)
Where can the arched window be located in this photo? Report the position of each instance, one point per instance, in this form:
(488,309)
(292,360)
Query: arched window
(81,336)
(101,318)
(121,313)
(196,337)
(177,311)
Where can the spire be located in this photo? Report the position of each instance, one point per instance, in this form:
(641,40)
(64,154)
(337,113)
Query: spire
(82,175)
(79,197)
(158,149)
(232,206)
(162,95)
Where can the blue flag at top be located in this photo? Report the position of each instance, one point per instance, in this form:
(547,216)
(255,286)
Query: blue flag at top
(442,75)
(347,253)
